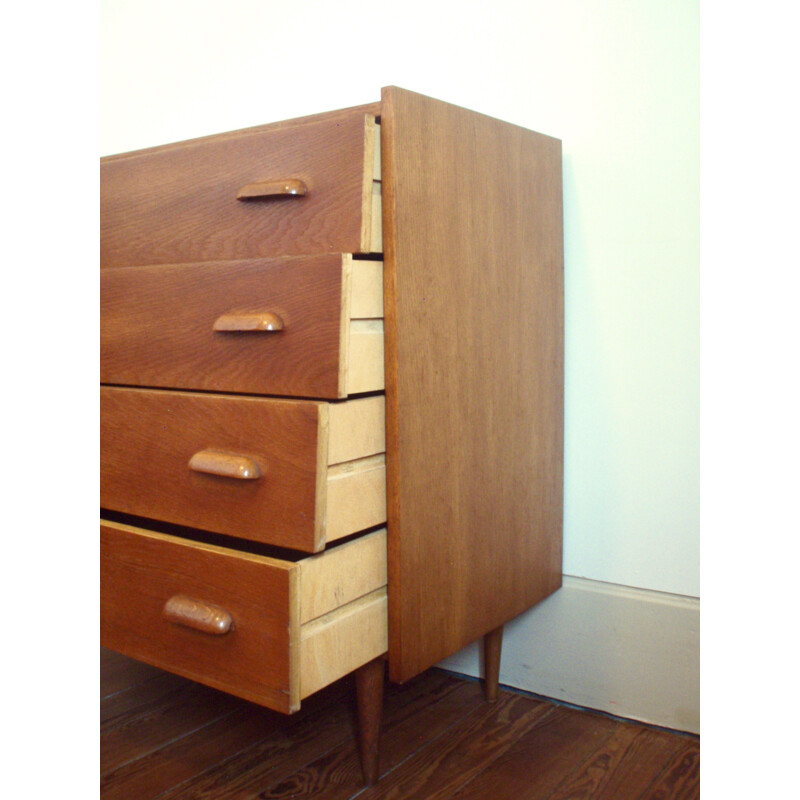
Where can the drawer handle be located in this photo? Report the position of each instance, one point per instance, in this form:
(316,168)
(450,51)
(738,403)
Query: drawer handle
(244,321)
(226,465)
(197,614)
(286,187)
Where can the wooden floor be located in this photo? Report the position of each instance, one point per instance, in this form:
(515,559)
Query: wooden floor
(165,737)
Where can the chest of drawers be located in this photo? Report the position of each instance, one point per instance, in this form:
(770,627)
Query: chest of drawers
(332,397)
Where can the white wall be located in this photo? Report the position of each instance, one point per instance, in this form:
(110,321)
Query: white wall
(618,82)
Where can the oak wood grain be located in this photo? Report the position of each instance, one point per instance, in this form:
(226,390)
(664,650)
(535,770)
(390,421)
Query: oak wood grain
(367,290)
(148,438)
(140,571)
(156,326)
(473,287)
(356,429)
(251,467)
(355,496)
(342,641)
(365,357)
(368,109)
(342,574)
(163,596)
(178,203)
(370,228)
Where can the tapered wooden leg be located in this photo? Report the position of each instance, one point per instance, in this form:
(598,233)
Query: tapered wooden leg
(369,696)
(492,645)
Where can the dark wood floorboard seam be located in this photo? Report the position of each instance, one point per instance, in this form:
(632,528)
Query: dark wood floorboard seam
(547,718)
(401,724)
(440,740)
(171,742)
(322,702)
(447,755)
(132,687)
(683,754)
(386,776)
(542,720)
(583,768)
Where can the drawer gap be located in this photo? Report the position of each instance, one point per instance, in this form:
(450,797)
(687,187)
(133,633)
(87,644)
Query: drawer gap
(204,537)
(229,542)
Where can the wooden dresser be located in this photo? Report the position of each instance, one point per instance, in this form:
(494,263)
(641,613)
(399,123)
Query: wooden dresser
(332,398)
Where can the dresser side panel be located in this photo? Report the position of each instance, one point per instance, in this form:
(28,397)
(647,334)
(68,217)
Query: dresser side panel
(473,240)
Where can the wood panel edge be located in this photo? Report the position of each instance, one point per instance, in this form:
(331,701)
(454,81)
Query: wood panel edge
(366,185)
(345,639)
(342,574)
(393,510)
(373,109)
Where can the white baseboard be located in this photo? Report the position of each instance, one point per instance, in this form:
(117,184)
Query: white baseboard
(630,652)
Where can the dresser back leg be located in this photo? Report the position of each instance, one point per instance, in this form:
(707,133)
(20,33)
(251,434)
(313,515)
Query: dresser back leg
(369,697)
(492,645)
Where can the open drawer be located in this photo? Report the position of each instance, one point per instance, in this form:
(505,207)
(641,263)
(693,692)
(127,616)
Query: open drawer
(268,630)
(303,326)
(290,473)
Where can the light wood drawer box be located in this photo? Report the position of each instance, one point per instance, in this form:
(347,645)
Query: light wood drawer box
(182,202)
(281,629)
(292,473)
(305,326)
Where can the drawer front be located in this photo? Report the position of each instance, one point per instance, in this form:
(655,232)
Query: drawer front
(158,326)
(268,630)
(149,438)
(180,203)
(141,573)
(291,473)
(300,326)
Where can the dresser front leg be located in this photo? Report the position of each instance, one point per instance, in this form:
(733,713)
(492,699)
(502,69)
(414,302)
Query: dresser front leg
(369,697)
(492,645)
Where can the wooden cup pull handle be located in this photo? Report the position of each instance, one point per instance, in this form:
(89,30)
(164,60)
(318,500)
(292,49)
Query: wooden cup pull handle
(197,614)
(285,187)
(247,321)
(226,465)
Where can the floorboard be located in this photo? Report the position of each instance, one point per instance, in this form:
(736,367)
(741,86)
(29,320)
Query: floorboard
(168,738)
